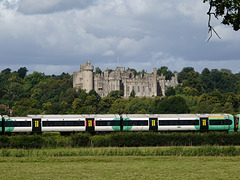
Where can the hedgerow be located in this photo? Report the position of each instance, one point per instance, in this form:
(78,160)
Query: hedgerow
(120,139)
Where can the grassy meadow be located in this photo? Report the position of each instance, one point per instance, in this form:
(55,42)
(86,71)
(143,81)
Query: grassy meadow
(119,167)
(120,163)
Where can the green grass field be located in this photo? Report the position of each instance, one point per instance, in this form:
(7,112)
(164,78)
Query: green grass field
(202,162)
(119,167)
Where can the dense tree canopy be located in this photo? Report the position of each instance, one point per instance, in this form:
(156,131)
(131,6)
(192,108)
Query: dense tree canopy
(165,72)
(211,91)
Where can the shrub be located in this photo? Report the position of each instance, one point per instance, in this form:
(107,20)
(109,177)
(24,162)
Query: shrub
(26,141)
(4,141)
(80,140)
(121,139)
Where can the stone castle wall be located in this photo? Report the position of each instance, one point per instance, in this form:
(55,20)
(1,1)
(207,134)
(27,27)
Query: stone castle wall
(147,85)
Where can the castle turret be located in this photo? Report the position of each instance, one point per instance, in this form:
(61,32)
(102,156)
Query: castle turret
(87,75)
(84,78)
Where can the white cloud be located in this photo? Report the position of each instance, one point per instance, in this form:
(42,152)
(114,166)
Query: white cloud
(54,69)
(195,10)
(50,6)
(132,47)
(60,32)
(108,53)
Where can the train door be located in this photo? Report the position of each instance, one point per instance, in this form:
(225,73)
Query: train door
(203,124)
(236,123)
(153,124)
(90,124)
(3,125)
(36,125)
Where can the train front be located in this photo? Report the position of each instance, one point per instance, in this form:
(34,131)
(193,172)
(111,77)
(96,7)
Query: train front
(236,122)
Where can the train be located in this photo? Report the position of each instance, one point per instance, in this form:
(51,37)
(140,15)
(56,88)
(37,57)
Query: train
(119,123)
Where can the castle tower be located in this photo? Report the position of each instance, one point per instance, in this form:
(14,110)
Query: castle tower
(87,75)
(84,78)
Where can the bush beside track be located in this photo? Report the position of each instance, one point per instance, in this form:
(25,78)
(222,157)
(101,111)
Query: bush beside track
(126,139)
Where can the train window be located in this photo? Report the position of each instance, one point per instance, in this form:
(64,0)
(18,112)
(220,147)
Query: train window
(107,123)
(216,122)
(178,122)
(228,122)
(220,122)
(18,124)
(135,123)
(63,123)
(188,122)
(168,122)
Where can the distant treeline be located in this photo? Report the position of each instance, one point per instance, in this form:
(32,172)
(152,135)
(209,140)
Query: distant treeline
(211,91)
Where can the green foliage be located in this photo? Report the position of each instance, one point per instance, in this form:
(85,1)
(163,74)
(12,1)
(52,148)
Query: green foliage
(135,73)
(138,105)
(105,104)
(116,94)
(130,139)
(4,141)
(122,139)
(24,141)
(97,153)
(119,107)
(97,70)
(132,94)
(184,73)
(211,91)
(190,91)
(4,111)
(165,72)
(6,71)
(228,10)
(80,140)
(22,72)
(172,105)
(170,91)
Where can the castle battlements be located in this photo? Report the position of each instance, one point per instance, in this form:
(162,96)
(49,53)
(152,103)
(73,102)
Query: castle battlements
(144,85)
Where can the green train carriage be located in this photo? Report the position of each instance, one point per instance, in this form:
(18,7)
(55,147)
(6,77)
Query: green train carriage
(125,122)
(180,122)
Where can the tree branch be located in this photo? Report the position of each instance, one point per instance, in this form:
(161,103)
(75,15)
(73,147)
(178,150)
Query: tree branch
(211,29)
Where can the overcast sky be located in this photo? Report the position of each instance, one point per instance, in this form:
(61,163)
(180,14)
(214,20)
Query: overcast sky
(55,36)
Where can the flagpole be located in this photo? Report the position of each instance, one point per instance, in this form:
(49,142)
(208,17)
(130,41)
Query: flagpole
(118,62)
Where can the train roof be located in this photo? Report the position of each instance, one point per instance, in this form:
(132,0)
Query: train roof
(76,116)
(112,116)
(173,115)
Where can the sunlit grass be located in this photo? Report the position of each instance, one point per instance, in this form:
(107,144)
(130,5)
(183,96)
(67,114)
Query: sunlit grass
(125,151)
(119,167)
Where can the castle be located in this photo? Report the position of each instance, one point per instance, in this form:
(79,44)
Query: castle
(144,85)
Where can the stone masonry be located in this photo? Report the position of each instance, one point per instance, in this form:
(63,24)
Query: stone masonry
(144,85)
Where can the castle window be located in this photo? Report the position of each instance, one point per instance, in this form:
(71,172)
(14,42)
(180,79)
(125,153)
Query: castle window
(138,89)
(143,89)
(150,89)
(112,87)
